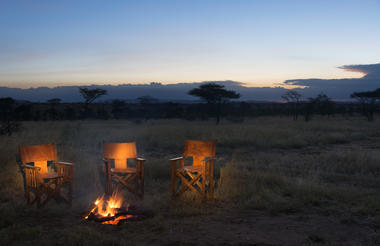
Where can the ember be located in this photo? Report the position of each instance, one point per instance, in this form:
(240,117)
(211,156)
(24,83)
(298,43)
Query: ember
(112,212)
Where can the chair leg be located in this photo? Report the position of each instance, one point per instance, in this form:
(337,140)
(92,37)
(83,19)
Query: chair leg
(38,199)
(109,186)
(27,195)
(203,187)
(189,184)
(70,193)
(212,183)
(137,180)
(108,183)
(173,181)
(105,184)
(142,186)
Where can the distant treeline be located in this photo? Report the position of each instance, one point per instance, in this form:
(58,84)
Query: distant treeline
(217,104)
(232,111)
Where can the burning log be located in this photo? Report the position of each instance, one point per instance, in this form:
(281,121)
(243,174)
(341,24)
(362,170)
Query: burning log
(112,212)
(121,217)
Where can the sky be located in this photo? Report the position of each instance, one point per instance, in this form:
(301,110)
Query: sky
(260,43)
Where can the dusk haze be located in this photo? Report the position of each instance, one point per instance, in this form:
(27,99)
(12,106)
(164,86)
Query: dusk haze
(259,43)
(190,122)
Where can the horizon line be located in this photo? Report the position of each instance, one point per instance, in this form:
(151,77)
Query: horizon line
(152,83)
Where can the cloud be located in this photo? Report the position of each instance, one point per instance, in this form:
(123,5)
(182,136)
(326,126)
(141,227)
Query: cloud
(370,71)
(341,88)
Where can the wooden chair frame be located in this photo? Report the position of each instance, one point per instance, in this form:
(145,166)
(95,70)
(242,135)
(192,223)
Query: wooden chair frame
(122,174)
(38,181)
(198,177)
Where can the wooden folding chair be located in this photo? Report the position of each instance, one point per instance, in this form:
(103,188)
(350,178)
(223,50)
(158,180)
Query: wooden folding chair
(118,154)
(41,181)
(199,177)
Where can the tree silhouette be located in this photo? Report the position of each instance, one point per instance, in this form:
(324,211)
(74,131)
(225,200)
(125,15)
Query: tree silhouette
(324,104)
(70,113)
(89,96)
(23,112)
(368,101)
(54,101)
(118,108)
(52,111)
(214,95)
(145,100)
(8,124)
(309,108)
(293,97)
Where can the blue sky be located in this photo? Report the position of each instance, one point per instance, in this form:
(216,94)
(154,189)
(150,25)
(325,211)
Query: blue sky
(261,43)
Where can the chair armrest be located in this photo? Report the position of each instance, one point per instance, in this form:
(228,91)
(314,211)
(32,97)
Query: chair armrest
(32,176)
(31,167)
(64,163)
(65,169)
(176,163)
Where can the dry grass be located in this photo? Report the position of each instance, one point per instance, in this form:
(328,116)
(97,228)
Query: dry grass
(273,165)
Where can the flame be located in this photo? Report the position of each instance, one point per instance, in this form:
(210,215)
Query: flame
(107,208)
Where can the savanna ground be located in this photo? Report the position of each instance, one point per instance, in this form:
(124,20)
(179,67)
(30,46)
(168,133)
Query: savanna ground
(279,182)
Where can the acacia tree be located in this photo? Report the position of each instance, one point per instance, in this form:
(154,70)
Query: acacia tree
(321,104)
(324,104)
(368,100)
(89,96)
(293,97)
(215,96)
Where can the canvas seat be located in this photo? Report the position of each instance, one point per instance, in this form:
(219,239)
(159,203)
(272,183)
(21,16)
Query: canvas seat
(198,177)
(50,176)
(123,170)
(191,169)
(43,183)
(121,174)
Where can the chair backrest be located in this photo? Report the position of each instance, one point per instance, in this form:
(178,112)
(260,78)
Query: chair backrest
(39,154)
(120,152)
(198,150)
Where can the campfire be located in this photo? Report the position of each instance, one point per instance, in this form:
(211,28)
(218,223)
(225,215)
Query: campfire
(113,211)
